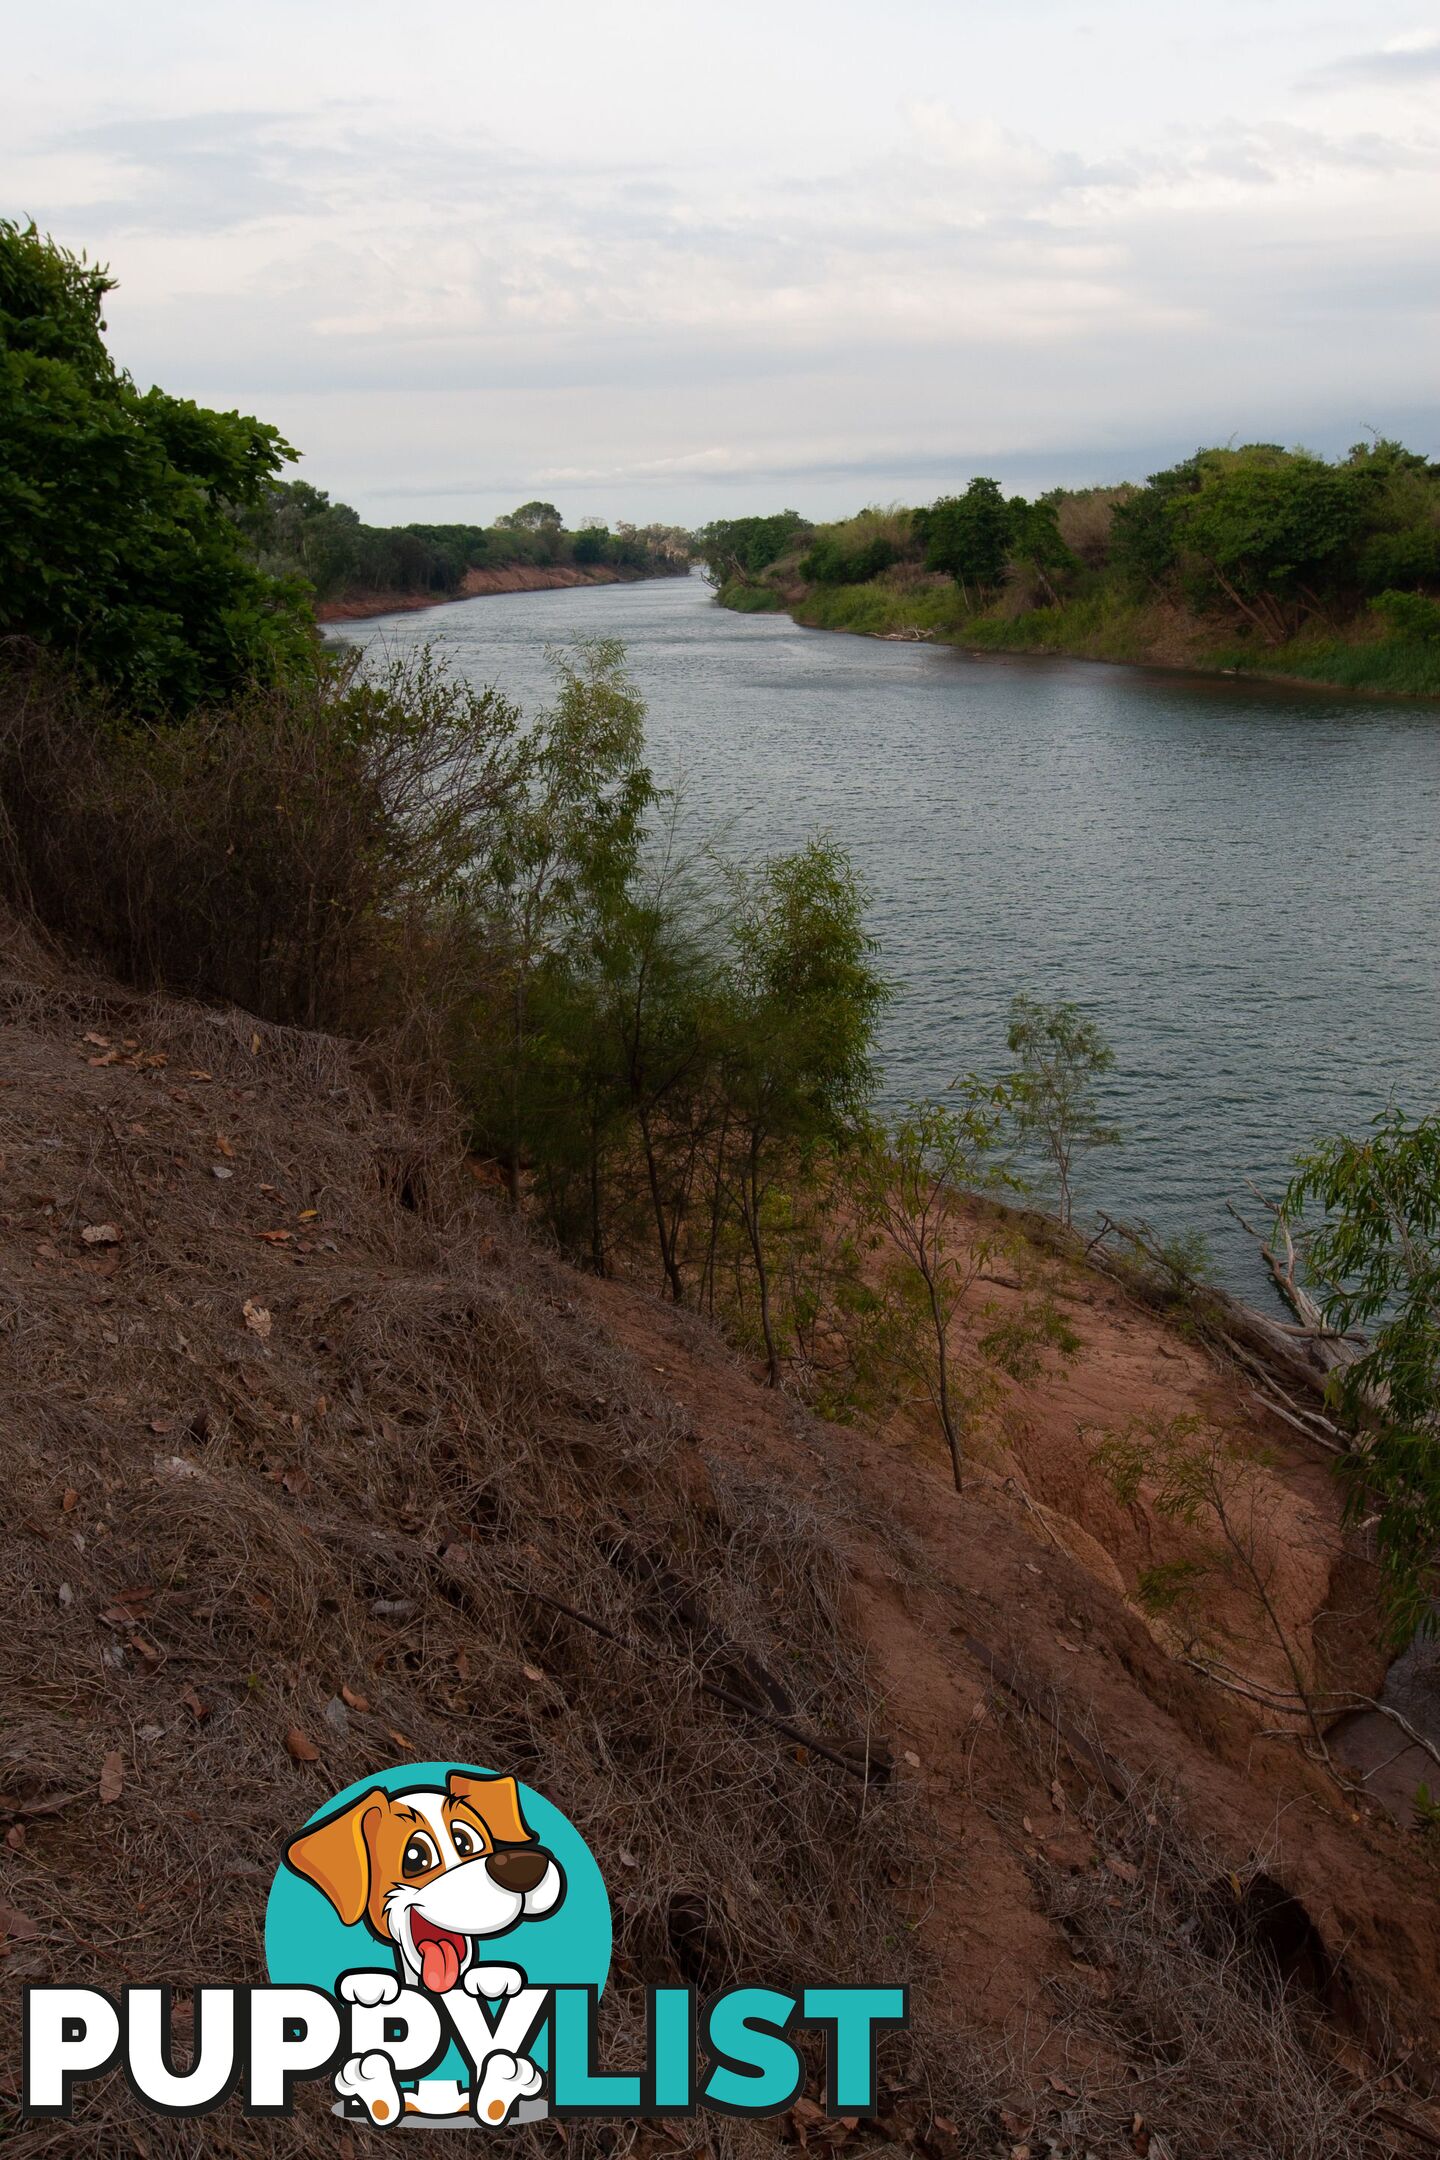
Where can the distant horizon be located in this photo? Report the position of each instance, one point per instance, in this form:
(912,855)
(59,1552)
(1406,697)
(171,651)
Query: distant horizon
(848,489)
(652,264)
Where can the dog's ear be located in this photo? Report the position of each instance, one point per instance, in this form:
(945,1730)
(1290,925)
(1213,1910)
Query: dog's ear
(496,1800)
(335,1855)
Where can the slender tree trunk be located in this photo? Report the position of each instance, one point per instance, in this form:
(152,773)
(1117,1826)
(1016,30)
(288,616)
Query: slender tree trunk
(751,1209)
(657,1201)
(597,1243)
(512,1143)
(716,1202)
(942,1359)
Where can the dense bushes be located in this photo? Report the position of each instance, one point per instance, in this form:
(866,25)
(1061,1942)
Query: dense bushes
(118,546)
(1256,555)
(300,851)
(295,530)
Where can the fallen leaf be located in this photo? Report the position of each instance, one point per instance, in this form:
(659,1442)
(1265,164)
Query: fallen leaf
(200,1076)
(98,1042)
(627,1859)
(1123,1869)
(101,1233)
(399,1738)
(356,1701)
(255,1044)
(69,1499)
(1072,1647)
(532,1672)
(224,1147)
(275,1237)
(219,1170)
(1057,2084)
(17,1925)
(65,1594)
(257,1318)
(1057,1796)
(15,1837)
(198,1710)
(112,1776)
(912,1758)
(162,1424)
(307,1214)
(299,1748)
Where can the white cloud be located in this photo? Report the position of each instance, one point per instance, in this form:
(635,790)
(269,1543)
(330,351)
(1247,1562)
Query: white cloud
(654,268)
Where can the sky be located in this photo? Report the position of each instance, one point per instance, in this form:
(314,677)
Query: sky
(652,260)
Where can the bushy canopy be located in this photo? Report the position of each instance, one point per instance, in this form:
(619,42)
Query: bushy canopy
(119,546)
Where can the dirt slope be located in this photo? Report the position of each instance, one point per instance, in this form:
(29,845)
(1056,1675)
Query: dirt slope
(310,1466)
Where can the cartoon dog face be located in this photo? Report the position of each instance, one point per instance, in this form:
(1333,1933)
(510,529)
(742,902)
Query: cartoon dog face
(432,1872)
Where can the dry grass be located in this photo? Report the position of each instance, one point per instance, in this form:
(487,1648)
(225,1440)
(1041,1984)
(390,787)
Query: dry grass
(1201,2017)
(212,1531)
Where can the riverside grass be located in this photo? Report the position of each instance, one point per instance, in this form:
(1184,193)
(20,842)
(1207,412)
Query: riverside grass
(1101,626)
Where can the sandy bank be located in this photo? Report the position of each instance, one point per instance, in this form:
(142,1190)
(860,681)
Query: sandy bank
(520,577)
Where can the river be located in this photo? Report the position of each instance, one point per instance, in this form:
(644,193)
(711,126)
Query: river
(1240,882)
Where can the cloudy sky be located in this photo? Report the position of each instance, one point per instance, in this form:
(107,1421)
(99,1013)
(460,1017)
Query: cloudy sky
(652,259)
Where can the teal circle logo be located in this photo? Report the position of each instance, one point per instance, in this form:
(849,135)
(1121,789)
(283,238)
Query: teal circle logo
(444,1876)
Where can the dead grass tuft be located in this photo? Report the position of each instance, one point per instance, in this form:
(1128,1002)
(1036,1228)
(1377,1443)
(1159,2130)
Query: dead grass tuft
(371,1478)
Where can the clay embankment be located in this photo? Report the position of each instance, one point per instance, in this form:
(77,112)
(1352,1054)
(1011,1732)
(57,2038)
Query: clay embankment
(518,577)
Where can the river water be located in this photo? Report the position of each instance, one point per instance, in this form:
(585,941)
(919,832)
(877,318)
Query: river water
(1240,883)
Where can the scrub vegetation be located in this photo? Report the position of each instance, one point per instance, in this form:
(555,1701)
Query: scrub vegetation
(318,1452)
(1256,559)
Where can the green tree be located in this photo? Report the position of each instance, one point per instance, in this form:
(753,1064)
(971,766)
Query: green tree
(969,536)
(1035,540)
(119,542)
(797,1063)
(563,857)
(533,517)
(908,1177)
(1061,1054)
(1372,1252)
(1265,529)
(743,547)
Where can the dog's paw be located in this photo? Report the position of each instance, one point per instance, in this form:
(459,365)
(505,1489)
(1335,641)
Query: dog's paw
(370,2079)
(493,1983)
(369,1989)
(504,2080)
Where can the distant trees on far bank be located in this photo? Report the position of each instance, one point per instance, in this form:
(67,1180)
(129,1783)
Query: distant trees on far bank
(1258,543)
(294,529)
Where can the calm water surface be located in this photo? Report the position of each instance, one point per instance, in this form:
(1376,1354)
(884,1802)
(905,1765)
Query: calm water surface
(1242,884)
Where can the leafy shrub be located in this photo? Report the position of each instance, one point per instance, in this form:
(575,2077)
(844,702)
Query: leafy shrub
(1410,615)
(270,853)
(119,546)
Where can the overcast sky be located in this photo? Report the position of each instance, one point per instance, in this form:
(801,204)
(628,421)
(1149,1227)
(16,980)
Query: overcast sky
(654,259)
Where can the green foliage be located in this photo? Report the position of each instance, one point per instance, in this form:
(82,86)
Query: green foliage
(1257,558)
(830,562)
(1411,615)
(119,545)
(303,851)
(969,536)
(908,1178)
(1062,1054)
(297,531)
(1372,1251)
(740,548)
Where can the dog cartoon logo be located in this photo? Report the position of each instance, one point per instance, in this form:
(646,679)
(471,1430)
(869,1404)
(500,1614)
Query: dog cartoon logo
(441,1866)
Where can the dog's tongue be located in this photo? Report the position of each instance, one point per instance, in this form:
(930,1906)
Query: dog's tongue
(439,1964)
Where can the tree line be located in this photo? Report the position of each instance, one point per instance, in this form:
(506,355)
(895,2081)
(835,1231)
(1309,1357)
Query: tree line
(292,529)
(1265,544)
